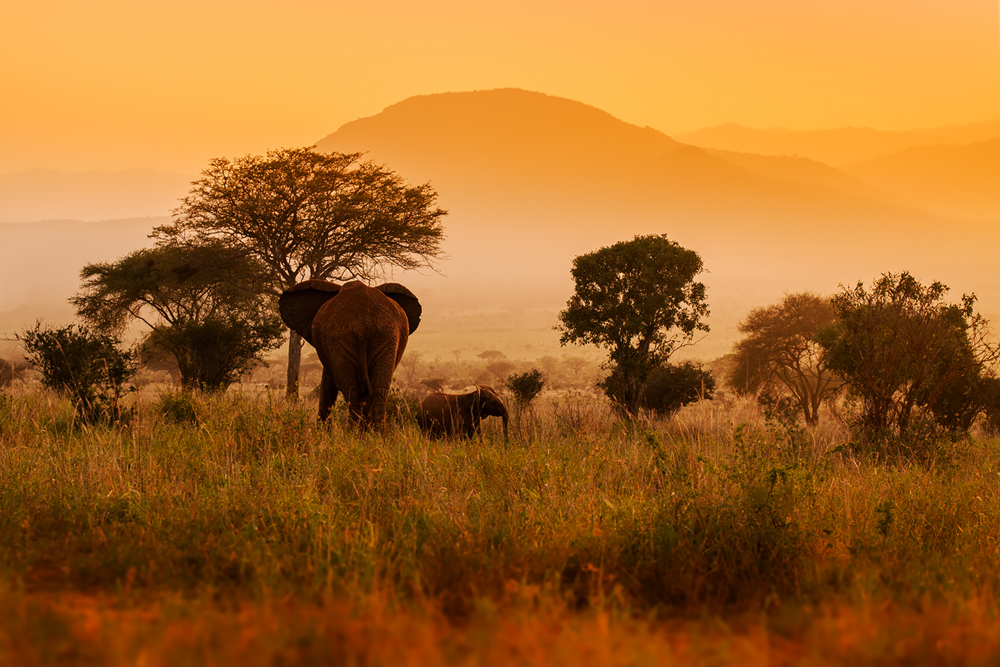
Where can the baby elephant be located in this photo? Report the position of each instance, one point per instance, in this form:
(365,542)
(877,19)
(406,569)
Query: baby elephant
(461,414)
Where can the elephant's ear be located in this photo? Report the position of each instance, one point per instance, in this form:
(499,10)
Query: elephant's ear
(406,299)
(298,304)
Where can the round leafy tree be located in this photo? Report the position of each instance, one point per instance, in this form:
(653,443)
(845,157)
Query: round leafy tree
(908,357)
(640,300)
(778,358)
(206,304)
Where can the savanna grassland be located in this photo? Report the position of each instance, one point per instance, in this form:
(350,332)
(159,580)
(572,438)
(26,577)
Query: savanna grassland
(233,529)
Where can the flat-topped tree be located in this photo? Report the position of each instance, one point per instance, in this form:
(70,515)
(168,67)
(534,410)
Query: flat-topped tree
(205,304)
(305,214)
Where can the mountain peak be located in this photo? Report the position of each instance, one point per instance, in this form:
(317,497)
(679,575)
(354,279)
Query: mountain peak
(504,121)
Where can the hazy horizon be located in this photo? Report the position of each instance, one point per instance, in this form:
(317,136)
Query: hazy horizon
(517,170)
(112,108)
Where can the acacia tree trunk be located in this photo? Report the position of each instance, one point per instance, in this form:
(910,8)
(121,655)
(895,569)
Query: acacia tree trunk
(294,361)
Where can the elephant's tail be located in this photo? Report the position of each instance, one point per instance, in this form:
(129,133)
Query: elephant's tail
(364,380)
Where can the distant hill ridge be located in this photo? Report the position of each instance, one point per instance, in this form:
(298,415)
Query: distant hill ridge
(956,180)
(836,146)
(531,180)
(497,120)
(500,146)
(41,194)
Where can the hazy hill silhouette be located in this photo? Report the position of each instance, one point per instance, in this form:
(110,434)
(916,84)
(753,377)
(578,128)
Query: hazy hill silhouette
(502,144)
(835,146)
(804,170)
(47,194)
(533,180)
(952,180)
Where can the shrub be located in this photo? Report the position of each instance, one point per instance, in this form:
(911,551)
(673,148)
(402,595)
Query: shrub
(10,371)
(83,364)
(178,407)
(910,359)
(961,401)
(525,386)
(672,386)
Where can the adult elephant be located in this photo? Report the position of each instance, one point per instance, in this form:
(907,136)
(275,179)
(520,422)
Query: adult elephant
(461,414)
(359,333)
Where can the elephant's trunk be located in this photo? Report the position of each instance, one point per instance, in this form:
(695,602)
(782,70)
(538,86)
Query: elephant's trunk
(504,416)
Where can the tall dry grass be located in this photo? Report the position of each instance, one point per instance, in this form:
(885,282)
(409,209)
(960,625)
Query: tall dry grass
(236,526)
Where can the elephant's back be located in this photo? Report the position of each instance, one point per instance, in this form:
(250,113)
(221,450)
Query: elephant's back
(362,312)
(435,414)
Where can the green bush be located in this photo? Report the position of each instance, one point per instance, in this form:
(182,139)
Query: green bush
(672,386)
(913,363)
(178,407)
(525,386)
(85,365)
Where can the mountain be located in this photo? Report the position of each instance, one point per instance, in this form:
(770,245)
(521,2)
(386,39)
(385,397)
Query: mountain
(803,170)
(532,180)
(45,194)
(524,154)
(835,146)
(961,181)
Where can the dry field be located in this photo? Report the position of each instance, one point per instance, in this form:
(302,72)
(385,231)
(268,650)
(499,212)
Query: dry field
(216,530)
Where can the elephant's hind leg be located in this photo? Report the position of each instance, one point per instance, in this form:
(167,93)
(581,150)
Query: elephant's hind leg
(327,394)
(381,379)
(356,405)
(375,407)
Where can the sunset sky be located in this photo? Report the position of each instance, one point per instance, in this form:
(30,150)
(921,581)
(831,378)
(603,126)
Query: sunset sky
(118,84)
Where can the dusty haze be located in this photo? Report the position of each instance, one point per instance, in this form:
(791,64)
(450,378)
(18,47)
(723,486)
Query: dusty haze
(532,180)
(794,145)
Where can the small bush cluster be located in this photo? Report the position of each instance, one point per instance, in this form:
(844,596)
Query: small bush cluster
(525,386)
(177,407)
(672,386)
(86,365)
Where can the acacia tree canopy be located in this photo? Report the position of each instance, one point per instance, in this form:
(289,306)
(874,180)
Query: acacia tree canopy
(638,299)
(306,214)
(778,357)
(206,304)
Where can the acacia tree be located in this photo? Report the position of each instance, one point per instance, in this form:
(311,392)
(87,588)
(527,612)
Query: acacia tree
(902,349)
(305,214)
(205,304)
(639,299)
(778,357)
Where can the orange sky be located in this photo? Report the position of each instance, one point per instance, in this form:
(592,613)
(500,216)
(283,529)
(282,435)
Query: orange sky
(115,84)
